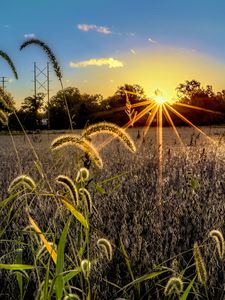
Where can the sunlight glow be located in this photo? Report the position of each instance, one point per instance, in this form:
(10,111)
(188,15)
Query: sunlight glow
(160,100)
(158,108)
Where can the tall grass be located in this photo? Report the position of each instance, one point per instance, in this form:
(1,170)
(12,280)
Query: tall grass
(68,232)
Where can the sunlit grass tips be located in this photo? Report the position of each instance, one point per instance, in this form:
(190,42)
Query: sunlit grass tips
(3,118)
(86,196)
(110,128)
(81,143)
(22,181)
(86,268)
(106,248)
(70,186)
(219,239)
(82,175)
(174,286)
(200,264)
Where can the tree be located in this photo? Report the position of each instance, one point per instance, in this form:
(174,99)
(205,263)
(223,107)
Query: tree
(59,118)
(30,111)
(82,108)
(117,103)
(186,91)
(134,91)
(192,93)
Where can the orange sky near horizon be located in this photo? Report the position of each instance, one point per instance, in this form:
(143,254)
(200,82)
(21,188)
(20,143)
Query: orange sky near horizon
(162,68)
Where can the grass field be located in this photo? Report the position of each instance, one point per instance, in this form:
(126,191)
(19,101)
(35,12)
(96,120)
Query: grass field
(145,237)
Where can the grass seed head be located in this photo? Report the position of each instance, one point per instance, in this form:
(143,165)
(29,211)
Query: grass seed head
(106,248)
(86,268)
(3,117)
(219,239)
(75,140)
(71,187)
(174,286)
(87,197)
(82,175)
(22,181)
(110,128)
(49,53)
(200,264)
(10,63)
(72,296)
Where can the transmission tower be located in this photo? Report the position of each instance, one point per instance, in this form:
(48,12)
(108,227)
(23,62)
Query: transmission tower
(42,83)
(3,81)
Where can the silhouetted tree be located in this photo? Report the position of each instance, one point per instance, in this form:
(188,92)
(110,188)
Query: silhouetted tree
(134,93)
(29,112)
(192,93)
(82,108)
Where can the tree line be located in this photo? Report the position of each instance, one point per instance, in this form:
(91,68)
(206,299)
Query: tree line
(208,107)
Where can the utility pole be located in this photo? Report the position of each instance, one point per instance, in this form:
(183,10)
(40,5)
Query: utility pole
(3,81)
(42,83)
(35,80)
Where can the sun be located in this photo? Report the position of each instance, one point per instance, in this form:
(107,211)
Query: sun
(160,100)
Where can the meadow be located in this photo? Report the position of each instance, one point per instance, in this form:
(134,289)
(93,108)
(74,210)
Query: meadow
(150,243)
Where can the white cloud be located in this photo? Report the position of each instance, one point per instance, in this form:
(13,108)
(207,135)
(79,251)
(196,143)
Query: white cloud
(103,29)
(29,35)
(88,27)
(152,41)
(110,62)
(130,34)
(132,51)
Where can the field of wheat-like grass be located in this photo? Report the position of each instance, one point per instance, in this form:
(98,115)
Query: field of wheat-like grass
(121,233)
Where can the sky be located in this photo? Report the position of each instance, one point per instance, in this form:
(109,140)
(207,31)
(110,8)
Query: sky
(103,44)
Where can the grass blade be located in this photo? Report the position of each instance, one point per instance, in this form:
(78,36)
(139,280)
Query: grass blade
(18,274)
(143,278)
(45,242)
(16,267)
(127,259)
(76,213)
(187,291)
(59,282)
(7,200)
(71,274)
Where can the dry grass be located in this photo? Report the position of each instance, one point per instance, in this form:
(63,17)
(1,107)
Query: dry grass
(193,204)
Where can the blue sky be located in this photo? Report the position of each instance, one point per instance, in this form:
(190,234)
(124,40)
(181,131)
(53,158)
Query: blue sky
(102,44)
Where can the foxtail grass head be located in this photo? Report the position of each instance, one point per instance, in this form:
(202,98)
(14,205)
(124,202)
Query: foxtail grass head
(81,143)
(200,264)
(10,63)
(49,53)
(110,128)
(70,186)
(82,175)
(86,196)
(22,182)
(3,117)
(174,286)
(106,248)
(72,297)
(86,268)
(219,239)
